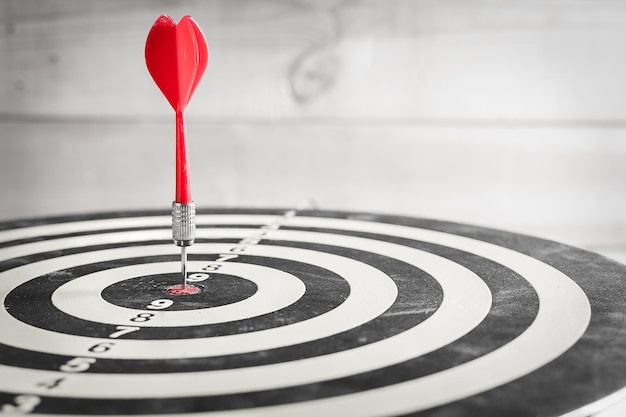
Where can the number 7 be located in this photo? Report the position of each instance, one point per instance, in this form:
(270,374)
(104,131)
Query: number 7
(122,331)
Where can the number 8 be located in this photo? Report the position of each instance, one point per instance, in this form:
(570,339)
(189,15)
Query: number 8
(141,317)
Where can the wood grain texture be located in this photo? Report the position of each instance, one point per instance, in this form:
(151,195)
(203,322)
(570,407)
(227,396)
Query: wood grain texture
(528,61)
(549,182)
(505,114)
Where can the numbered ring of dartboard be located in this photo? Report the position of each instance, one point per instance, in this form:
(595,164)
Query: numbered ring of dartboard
(348,315)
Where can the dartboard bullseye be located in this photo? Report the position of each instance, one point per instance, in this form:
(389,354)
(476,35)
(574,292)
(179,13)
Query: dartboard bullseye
(304,313)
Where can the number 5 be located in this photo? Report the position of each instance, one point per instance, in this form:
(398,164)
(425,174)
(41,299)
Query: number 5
(77,365)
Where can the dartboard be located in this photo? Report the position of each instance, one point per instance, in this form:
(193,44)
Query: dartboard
(304,313)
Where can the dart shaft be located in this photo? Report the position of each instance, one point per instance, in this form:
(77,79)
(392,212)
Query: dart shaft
(183,188)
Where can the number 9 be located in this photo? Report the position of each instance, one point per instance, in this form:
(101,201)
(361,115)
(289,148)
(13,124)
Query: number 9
(160,304)
(197,277)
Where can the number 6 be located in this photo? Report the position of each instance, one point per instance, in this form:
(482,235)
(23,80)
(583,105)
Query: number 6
(101,347)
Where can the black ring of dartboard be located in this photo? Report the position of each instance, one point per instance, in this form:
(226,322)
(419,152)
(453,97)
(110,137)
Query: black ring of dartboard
(562,385)
(420,290)
(213,293)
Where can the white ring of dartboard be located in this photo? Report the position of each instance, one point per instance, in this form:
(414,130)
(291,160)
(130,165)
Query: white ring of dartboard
(304,313)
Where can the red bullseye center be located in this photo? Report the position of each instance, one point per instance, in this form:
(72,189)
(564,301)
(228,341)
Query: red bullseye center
(186,290)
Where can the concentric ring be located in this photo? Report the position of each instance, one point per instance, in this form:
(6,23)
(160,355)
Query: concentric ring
(81,296)
(561,320)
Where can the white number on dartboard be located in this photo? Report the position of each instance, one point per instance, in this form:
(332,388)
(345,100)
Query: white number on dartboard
(224,257)
(22,404)
(160,304)
(122,330)
(197,277)
(77,365)
(141,317)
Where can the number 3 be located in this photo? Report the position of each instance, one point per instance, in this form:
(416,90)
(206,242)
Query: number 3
(23,404)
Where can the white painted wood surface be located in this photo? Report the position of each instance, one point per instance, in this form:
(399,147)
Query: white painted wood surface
(505,114)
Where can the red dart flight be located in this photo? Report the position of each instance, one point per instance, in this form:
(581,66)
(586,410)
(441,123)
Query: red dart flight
(176,56)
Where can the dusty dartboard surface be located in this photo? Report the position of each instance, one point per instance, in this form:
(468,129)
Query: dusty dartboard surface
(304,313)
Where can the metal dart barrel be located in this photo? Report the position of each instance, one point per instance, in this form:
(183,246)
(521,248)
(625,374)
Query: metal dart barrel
(183,223)
(183,231)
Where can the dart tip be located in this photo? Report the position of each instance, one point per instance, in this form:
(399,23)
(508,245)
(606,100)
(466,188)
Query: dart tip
(183,262)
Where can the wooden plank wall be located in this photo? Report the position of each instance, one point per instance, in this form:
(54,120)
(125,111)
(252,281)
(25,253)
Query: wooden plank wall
(505,114)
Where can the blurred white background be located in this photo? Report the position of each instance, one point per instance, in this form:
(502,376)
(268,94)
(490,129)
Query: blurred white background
(506,114)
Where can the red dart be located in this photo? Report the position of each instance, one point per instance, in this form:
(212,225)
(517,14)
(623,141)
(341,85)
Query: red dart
(176,56)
